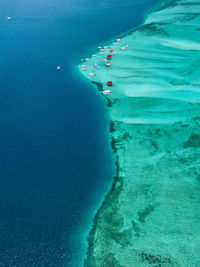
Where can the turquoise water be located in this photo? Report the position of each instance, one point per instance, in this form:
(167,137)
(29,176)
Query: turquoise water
(55,161)
(152,218)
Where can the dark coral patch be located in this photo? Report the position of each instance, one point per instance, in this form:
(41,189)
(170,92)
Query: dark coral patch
(154,259)
(193,141)
(144,213)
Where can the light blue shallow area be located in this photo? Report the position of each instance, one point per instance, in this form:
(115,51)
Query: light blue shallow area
(152,216)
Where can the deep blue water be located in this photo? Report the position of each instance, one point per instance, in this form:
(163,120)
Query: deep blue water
(55,162)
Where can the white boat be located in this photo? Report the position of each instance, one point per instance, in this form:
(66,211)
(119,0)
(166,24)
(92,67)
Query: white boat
(91,74)
(58,68)
(106,92)
(87,59)
(9,18)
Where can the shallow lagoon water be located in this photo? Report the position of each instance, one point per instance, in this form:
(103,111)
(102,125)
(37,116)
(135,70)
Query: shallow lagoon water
(55,162)
(151,217)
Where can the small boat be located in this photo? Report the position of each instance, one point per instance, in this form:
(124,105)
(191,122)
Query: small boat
(91,74)
(98,67)
(94,55)
(99,47)
(109,83)
(108,64)
(83,68)
(114,43)
(87,59)
(123,48)
(98,57)
(95,65)
(9,18)
(109,57)
(101,53)
(126,45)
(113,53)
(118,40)
(82,59)
(106,92)
(58,68)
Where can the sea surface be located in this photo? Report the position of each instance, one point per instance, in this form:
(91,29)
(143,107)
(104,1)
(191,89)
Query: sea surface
(55,159)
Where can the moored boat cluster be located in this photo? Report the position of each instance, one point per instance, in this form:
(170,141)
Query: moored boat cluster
(102,59)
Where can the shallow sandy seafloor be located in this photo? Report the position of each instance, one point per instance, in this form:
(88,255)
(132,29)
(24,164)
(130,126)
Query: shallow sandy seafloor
(151,216)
